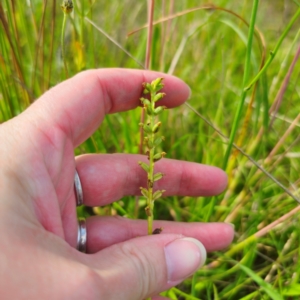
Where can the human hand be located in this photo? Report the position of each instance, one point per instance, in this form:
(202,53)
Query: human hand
(38,222)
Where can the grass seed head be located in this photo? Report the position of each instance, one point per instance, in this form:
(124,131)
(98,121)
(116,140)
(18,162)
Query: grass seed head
(67,6)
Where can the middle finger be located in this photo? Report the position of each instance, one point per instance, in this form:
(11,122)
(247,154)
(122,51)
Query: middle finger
(106,178)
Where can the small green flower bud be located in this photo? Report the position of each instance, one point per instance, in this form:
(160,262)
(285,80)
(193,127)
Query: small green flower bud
(144,166)
(156,84)
(147,128)
(158,176)
(147,87)
(144,192)
(150,144)
(145,102)
(158,141)
(159,109)
(157,194)
(149,110)
(67,6)
(158,96)
(159,156)
(156,127)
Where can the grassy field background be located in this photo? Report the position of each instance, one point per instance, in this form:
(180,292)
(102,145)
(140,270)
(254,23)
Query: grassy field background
(205,45)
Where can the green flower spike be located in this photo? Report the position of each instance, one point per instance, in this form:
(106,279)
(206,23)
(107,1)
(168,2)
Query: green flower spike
(151,141)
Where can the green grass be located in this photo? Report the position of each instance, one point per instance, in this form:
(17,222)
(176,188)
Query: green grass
(207,48)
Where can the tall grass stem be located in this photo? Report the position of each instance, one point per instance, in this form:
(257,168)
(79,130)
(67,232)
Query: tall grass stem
(245,79)
(147,61)
(274,52)
(63,53)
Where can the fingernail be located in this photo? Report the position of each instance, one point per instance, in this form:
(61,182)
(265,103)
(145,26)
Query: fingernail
(184,257)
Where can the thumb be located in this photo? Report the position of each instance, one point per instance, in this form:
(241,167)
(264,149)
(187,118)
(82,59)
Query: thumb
(145,266)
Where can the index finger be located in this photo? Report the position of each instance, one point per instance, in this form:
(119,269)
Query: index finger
(78,105)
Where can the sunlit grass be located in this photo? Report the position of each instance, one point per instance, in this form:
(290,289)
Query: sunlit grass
(207,49)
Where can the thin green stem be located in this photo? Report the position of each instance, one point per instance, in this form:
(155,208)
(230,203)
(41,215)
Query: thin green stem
(245,80)
(63,45)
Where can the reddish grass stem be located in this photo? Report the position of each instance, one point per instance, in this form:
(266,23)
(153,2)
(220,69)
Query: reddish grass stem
(147,62)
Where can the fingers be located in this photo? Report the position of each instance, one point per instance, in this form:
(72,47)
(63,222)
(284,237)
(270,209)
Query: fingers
(106,178)
(145,266)
(106,231)
(78,105)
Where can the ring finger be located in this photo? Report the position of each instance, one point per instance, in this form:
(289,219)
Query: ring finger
(106,231)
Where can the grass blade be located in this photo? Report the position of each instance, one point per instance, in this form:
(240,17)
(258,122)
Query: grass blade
(274,52)
(264,285)
(245,79)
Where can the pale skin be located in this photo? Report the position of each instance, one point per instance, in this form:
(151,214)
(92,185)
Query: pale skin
(38,222)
